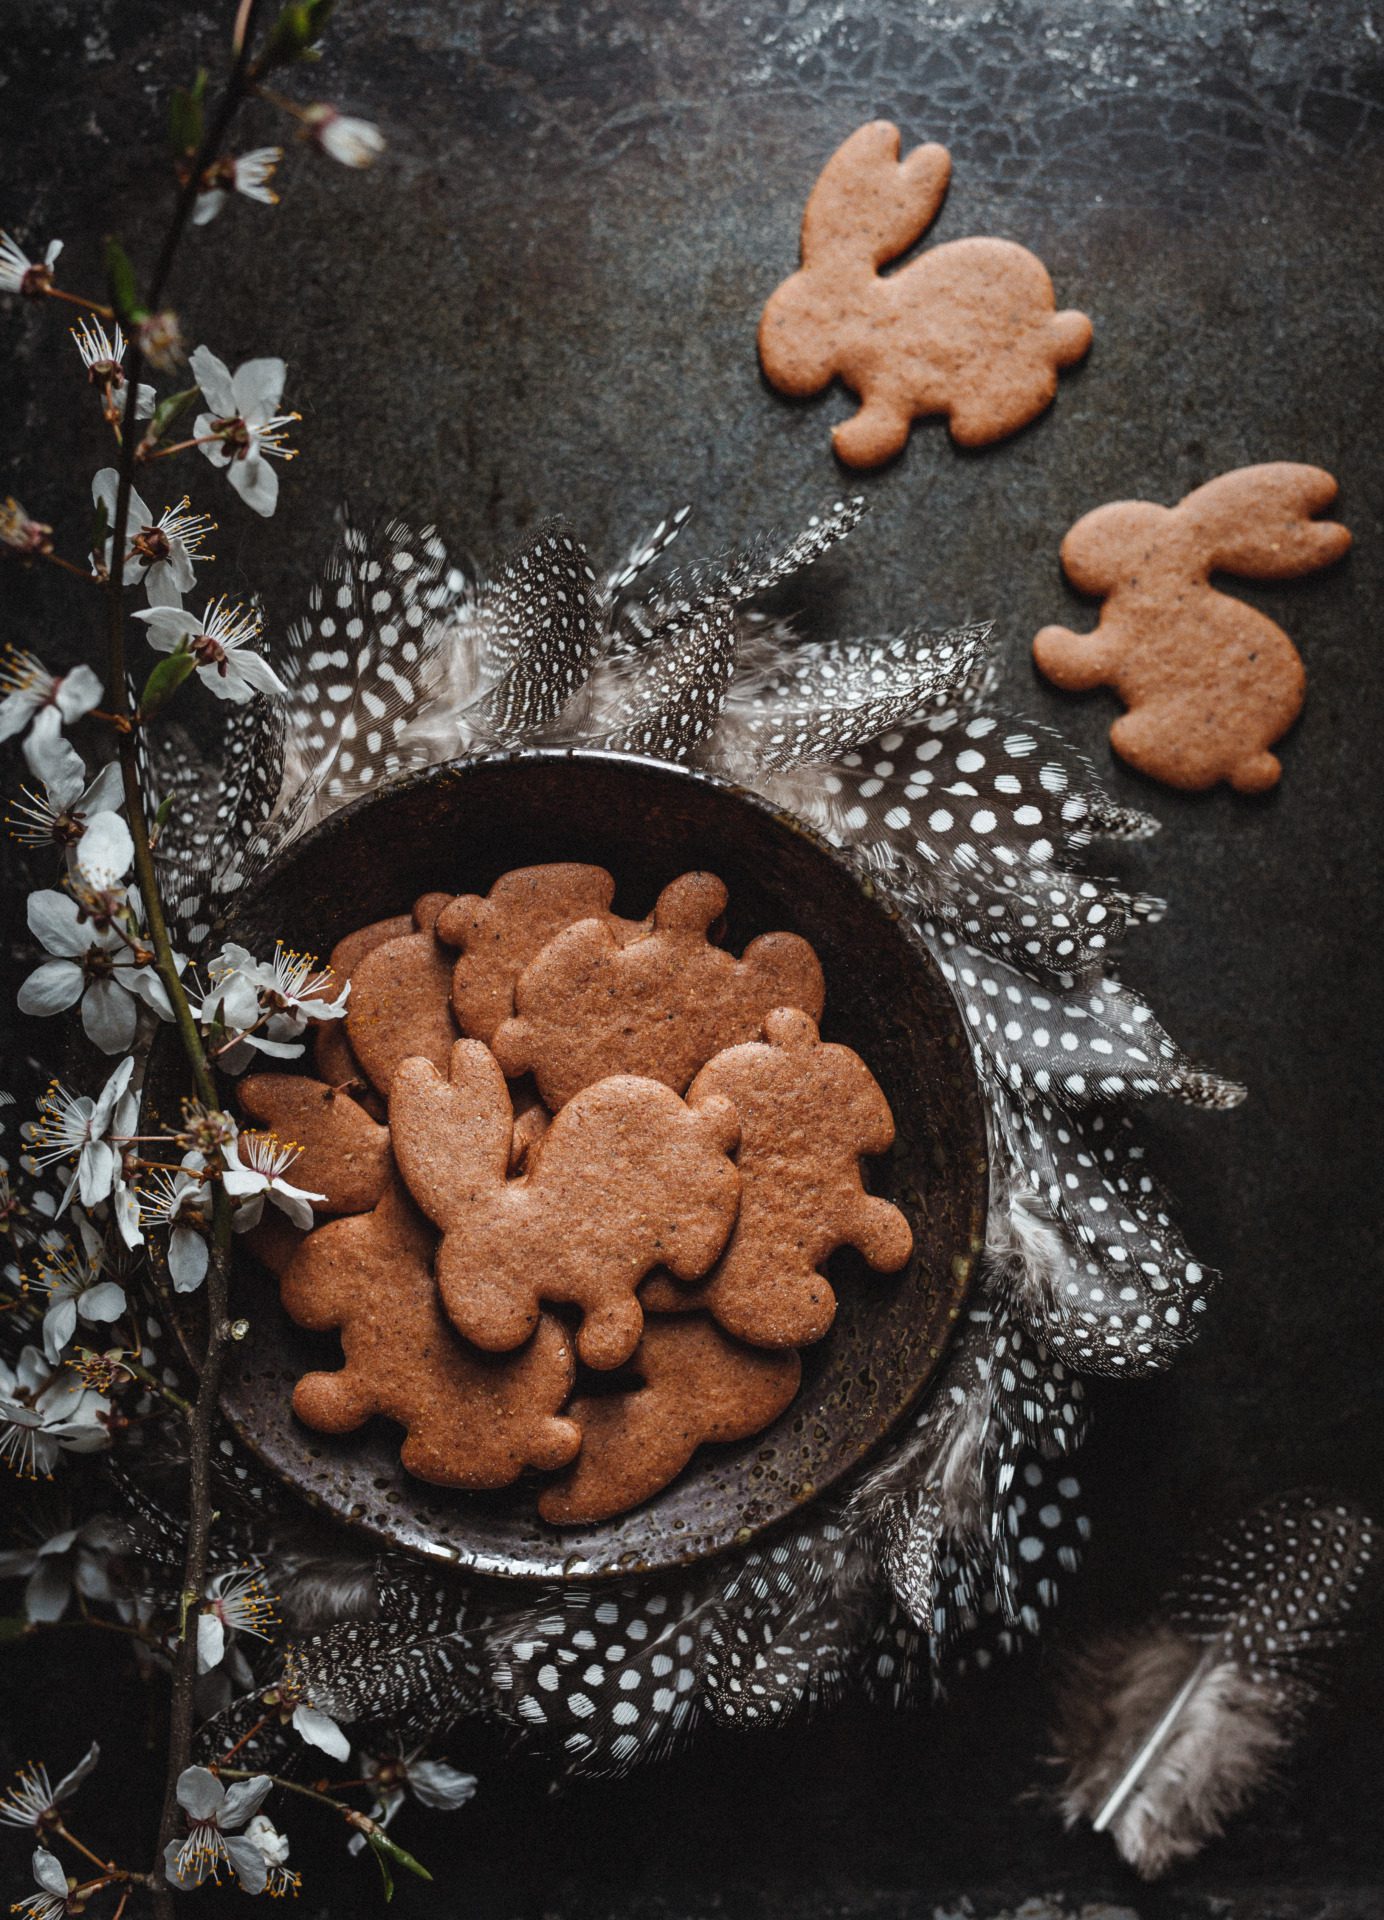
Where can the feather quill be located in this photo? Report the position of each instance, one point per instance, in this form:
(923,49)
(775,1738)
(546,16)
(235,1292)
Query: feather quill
(1164,1734)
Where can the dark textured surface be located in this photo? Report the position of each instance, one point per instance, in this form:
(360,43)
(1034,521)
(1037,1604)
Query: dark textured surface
(545,299)
(457,830)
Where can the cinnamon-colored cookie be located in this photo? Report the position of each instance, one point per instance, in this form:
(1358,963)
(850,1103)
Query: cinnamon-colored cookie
(345,1154)
(969,329)
(808,1112)
(625,1179)
(472,1419)
(332,1054)
(1210,683)
(499,934)
(587,1007)
(400,1004)
(697,1387)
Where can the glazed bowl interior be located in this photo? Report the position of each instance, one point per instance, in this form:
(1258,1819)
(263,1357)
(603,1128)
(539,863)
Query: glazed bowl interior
(457,828)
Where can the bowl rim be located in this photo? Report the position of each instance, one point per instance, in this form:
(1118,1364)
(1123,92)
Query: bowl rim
(974,1146)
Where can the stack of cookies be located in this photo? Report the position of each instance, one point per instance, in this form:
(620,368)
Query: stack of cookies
(587,1170)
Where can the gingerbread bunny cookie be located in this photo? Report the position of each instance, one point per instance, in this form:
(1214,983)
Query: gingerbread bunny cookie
(499,934)
(1210,683)
(808,1111)
(661,1007)
(626,1178)
(332,1054)
(345,1154)
(471,1419)
(400,1004)
(696,1388)
(969,329)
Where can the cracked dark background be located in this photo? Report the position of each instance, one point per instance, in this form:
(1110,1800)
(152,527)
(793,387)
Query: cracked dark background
(544,300)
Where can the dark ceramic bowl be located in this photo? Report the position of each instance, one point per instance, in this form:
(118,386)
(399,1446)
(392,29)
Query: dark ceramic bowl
(457,828)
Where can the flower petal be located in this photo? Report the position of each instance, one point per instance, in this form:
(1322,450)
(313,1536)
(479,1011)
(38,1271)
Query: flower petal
(187,1259)
(95,1172)
(251,1867)
(211,1642)
(104,1301)
(256,480)
(54,923)
(70,1782)
(48,1871)
(213,376)
(105,852)
(200,1794)
(48,1590)
(437,1784)
(59,1325)
(77,693)
(259,387)
(245,1798)
(51,988)
(320,1730)
(49,755)
(109,1016)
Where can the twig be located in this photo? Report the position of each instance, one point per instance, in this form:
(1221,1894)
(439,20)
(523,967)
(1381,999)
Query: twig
(203,1415)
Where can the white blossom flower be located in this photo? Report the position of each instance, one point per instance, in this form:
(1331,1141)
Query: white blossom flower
(236,1602)
(218,641)
(51,1899)
(74,1125)
(255,1166)
(101,963)
(214,1812)
(45,1411)
(181,1202)
(81,819)
(244,429)
(352,142)
(32,1798)
(266,1004)
(20,274)
(247,173)
(29,689)
(433,1783)
(103,356)
(77,1289)
(274,1846)
(20,532)
(124,1196)
(164,552)
(73,1559)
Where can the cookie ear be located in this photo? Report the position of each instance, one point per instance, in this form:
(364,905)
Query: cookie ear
(690,904)
(1101,546)
(451,1136)
(1257,521)
(868,205)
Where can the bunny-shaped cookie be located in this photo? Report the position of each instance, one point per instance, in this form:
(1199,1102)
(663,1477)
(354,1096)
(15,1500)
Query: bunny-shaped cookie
(969,329)
(590,1005)
(471,1419)
(626,1178)
(1210,683)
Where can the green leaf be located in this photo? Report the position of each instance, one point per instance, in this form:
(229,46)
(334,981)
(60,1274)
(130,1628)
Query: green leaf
(161,818)
(165,681)
(14,1627)
(294,32)
(380,1840)
(121,276)
(383,1864)
(184,121)
(167,411)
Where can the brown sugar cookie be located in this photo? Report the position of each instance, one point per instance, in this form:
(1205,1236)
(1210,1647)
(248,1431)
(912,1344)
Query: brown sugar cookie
(808,1111)
(472,1419)
(969,329)
(400,1005)
(625,1179)
(660,1007)
(1210,683)
(500,933)
(696,1387)
(332,1054)
(345,1153)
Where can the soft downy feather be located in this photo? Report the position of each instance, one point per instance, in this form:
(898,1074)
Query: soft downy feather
(1165,1733)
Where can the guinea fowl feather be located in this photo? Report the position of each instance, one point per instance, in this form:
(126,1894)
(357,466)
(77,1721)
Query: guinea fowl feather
(1163,1734)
